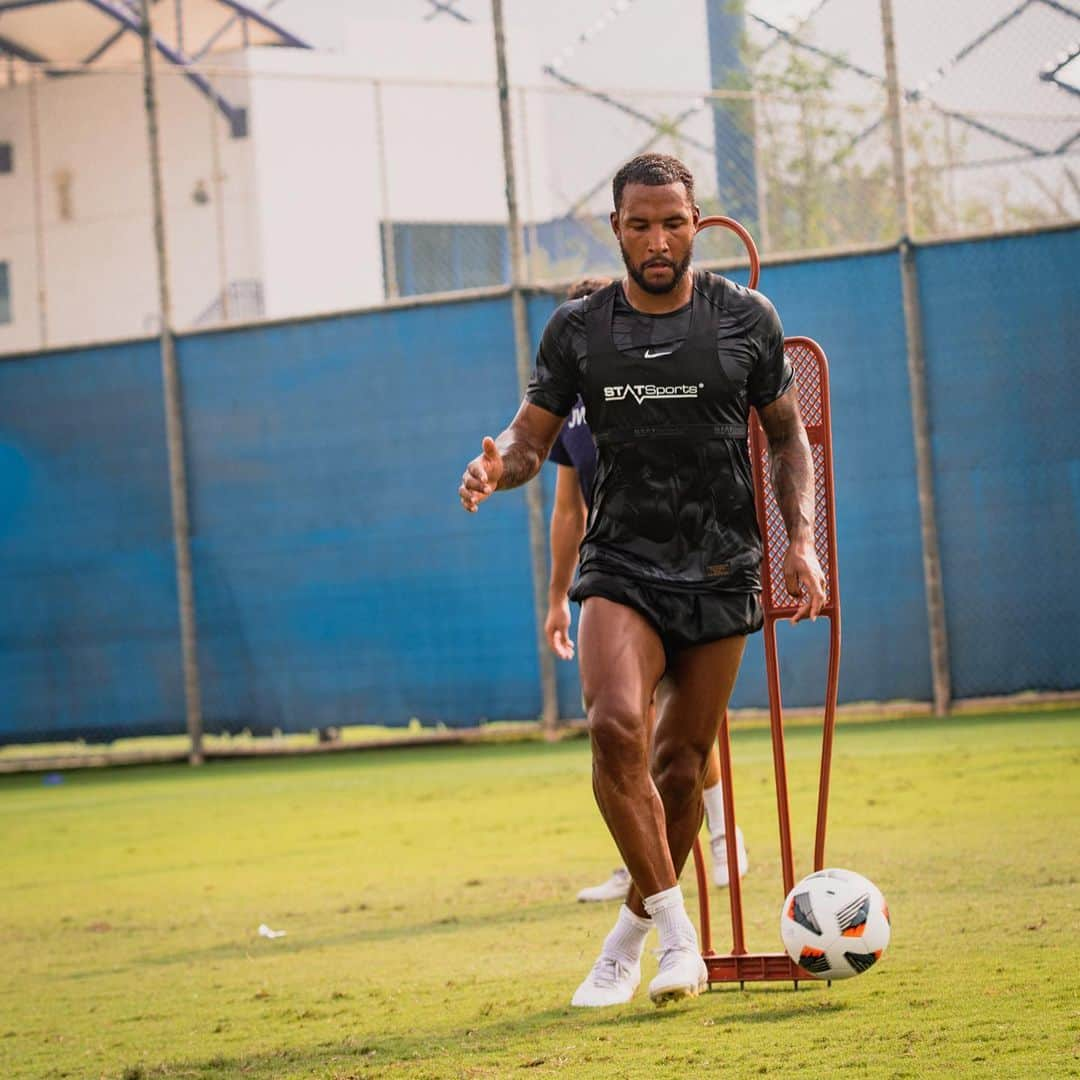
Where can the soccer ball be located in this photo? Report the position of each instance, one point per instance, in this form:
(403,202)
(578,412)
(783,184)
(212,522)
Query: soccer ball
(835,924)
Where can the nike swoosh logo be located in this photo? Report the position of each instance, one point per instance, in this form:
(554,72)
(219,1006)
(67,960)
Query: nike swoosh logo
(650,355)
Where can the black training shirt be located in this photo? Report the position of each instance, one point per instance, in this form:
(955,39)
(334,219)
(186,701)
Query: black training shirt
(667,398)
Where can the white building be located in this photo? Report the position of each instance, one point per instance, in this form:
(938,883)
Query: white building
(322,155)
(277,209)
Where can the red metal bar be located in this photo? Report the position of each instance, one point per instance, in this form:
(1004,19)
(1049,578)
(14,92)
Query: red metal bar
(832,686)
(738,936)
(703,898)
(776,726)
(831,690)
(755,967)
(743,235)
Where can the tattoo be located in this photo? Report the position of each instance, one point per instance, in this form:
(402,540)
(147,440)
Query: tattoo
(525,444)
(792,466)
(521,462)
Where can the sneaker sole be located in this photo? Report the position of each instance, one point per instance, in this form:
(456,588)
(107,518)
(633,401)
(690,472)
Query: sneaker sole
(727,882)
(601,1004)
(678,993)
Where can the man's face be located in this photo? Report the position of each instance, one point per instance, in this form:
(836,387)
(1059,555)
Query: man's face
(655,229)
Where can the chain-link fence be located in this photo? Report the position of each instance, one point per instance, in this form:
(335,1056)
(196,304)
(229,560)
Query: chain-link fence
(296,184)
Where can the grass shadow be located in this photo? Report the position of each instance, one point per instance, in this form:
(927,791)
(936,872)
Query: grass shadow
(554,911)
(477,1048)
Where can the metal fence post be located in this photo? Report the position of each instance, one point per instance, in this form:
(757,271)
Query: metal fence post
(530,206)
(761,183)
(533,492)
(39,213)
(916,364)
(390,272)
(217,183)
(174,430)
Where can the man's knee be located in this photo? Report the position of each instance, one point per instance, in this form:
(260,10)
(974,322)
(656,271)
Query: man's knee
(616,727)
(679,772)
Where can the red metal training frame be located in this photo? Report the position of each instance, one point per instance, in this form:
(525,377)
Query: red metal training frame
(812,378)
(812,374)
(740,231)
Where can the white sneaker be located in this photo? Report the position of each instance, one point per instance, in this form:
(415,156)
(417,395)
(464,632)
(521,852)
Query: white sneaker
(718,843)
(615,888)
(682,974)
(611,982)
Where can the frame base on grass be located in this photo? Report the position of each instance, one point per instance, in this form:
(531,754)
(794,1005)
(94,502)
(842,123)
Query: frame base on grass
(755,967)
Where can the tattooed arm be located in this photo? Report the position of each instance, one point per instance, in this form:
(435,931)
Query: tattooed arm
(793,485)
(513,458)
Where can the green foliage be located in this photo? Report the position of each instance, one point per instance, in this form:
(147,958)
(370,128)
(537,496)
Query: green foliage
(432,932)
(824,165)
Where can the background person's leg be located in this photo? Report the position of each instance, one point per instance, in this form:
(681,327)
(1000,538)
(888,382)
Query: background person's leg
(712,769)
(713,797)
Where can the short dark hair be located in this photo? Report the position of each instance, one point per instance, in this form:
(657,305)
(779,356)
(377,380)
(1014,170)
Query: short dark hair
(586,286)
(654,170)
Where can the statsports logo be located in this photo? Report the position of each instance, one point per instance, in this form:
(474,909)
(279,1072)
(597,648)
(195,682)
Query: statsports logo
(649,392)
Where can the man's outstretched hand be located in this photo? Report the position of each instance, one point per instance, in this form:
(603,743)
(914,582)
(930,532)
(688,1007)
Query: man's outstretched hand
(481,476)
(802,571)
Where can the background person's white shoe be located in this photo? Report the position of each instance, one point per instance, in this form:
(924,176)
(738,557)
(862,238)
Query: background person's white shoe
(612,981)
(615,888)
(720,870)
(682,974)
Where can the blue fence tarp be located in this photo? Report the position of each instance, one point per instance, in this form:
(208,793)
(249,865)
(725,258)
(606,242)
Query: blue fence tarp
(1002,321)
(89,632)
(337,581)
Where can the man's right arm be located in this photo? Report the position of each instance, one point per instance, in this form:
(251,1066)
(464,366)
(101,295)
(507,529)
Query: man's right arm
(516,455)
(526,443)
(513,458)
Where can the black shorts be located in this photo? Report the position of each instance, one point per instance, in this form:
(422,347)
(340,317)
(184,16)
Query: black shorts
(682,617)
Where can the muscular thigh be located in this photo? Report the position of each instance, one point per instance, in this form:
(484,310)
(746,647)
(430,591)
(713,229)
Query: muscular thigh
(620,655)
(694,693)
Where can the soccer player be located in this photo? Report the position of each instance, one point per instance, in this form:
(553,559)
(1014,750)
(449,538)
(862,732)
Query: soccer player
(669,362)
(574,454)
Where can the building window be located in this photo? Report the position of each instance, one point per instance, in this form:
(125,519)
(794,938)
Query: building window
(7,158)
(434,257)
(5,294)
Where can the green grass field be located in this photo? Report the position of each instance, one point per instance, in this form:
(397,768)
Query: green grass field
(428,899)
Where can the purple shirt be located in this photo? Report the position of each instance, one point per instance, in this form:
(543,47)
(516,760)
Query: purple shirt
(574,446)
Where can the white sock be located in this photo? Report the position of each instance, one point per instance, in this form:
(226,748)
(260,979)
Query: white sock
(626,941)
(668,911)
(714,809)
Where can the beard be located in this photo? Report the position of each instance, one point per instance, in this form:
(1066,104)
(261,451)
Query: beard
(638,272)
